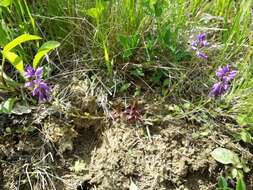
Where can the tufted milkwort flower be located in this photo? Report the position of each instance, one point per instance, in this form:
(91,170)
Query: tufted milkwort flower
(35,82)
(202,40)
(32,73)
(199,44)
(225,75)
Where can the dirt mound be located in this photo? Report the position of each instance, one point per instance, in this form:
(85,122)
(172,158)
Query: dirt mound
(75,147)
(170,158)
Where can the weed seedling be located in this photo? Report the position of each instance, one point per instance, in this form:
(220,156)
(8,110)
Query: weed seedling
(236,170)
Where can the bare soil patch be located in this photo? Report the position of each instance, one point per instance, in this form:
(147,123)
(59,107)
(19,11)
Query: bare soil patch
(76,147)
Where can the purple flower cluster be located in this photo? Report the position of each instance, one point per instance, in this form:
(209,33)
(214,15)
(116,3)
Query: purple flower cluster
(199,44)
(225,75)
(36,83)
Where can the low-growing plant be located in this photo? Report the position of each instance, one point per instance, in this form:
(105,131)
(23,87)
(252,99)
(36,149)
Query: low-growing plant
(225,76)
(236,170)
(245,121)
(129,44)
(30,74)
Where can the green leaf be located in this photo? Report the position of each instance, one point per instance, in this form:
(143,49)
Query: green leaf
(43,50)
(225,156)
(15,60)
(49,45)
(240,185)
(124,87)
(5,3)
(20,109)
(222,182)
(241,120)
(93,12)
(6,106)
(17,41)
(246,136)
(129,44)
(96,12)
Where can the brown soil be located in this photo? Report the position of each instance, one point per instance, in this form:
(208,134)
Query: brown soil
(81,150)
(169,159)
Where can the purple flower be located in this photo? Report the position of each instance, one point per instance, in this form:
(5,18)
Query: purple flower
(221,72)
(201,37)
(218,89)
(32,73)
(36,84)
(231,75)
(198,44)
(194,45)
(225,73)
(204,43)
(201,55)
(39,89)
(202,40)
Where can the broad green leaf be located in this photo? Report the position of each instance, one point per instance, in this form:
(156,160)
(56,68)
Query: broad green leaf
(17,41)
(6,106)
(246,136)
(225,156)
(240,185)
(96,12)
(43,50)
(93,12)
(222,182)
(49,45)
(15,60)
(20,109)
(5,3)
